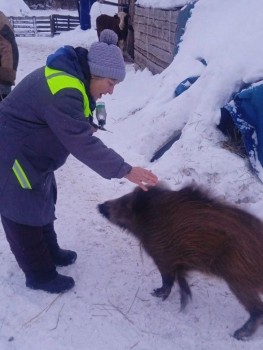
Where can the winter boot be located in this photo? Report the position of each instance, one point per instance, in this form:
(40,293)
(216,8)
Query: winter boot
(61,257)
(33,256)
(64,257)
(53,283)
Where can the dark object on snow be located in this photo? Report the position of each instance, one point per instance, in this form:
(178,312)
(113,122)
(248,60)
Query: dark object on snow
(189,81)
(188,230)
(175,137)
(227,126)
(184,85)
(234,141)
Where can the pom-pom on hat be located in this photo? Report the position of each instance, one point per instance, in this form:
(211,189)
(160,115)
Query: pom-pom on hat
(105,58)
(109,37)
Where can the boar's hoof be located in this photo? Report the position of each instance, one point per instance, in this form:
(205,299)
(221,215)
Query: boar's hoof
(162,292)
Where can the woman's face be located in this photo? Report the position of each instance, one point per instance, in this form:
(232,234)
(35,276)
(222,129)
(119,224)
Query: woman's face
(101,86)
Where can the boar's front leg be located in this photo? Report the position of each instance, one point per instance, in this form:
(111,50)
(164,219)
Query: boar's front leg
(168,281)
(165,290)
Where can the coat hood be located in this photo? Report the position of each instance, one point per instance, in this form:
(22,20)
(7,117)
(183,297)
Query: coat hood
(74,62)
(66,59)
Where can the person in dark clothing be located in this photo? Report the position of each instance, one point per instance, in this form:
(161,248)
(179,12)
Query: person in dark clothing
(8,56)
(84,7)
(46,117)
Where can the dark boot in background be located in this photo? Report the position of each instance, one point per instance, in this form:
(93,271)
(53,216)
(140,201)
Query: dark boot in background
(61,257)
(33,256)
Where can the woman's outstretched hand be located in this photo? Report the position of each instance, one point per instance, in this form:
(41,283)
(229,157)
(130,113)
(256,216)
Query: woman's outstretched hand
(142,177)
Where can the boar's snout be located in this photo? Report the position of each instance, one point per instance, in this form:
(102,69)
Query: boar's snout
(104,210)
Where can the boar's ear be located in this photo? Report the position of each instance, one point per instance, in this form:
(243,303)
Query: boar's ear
(142,199)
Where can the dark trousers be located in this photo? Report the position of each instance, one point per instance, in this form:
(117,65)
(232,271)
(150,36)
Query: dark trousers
(33,247)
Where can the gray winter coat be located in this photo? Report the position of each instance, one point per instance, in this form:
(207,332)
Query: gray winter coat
(38,130)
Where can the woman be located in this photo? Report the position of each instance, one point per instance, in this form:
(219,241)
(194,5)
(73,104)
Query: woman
(45,118)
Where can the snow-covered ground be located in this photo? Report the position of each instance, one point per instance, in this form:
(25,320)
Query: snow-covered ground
(110,307)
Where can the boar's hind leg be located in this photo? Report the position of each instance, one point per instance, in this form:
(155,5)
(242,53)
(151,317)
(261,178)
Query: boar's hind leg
(254,321)
(165,290)
(185,292)
(253,304)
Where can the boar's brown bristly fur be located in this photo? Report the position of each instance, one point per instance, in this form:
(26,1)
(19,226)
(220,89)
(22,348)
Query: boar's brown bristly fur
(189,230)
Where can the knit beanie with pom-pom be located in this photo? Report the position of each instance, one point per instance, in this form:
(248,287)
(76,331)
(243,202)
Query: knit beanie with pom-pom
(105,58)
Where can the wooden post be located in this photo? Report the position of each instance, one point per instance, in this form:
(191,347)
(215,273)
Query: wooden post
(52,25)
(35,25)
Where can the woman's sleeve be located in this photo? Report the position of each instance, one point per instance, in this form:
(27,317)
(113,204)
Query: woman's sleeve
(66,119)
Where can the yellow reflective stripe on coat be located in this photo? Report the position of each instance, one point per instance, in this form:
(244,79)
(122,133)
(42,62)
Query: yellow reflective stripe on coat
(21,176)
(58,80)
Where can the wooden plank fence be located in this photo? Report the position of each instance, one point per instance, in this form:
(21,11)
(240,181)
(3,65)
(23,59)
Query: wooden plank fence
(155,37)
(62,23)
(43,25)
